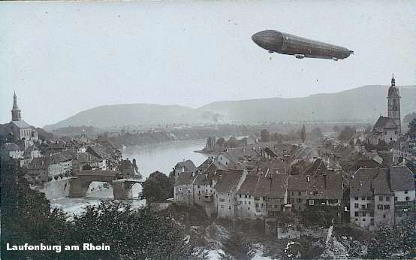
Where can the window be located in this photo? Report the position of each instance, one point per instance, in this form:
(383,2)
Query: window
(384,216)
(363,198)
(371,214)
(405,192)
(356,205)
(380,198)
(372,222)
(299,193)
(379,206)
(362,206)
(356,198)
(222,206)
(356,214)
(229,207)
(387,198)
(311,202)
(407,198)
(299,200)
(369,198)
(363,219)
(395,198)
(386,206)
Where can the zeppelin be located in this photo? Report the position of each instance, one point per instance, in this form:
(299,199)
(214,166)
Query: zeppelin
(285,43)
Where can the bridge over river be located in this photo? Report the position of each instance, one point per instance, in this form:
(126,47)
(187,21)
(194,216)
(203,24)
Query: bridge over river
(80,182)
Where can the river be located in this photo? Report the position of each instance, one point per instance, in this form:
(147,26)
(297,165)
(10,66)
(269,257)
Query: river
(157,157)
(163,157)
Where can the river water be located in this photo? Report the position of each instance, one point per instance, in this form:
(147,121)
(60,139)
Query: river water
(163,157)
(157,157)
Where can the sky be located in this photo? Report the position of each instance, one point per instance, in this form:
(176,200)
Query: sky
(65,57)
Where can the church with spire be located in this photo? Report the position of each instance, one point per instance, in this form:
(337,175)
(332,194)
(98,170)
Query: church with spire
(19,128)
(387,129)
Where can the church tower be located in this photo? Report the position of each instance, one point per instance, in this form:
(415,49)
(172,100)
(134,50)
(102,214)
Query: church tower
(393,104)
(16,116)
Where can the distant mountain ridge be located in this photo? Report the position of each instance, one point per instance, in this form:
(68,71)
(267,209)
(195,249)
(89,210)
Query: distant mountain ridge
(362,104)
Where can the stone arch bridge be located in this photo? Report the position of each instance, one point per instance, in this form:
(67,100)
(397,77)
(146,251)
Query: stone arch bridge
(79,184)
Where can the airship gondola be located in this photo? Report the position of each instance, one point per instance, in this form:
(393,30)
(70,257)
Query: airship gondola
(284,43)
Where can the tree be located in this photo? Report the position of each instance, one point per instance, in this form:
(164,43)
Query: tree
(157,187)
(131,234)
(27,216)
(264,135)
(409,118)
(316,133)
(232,142)
(237,247)
(303,134)
(220,142)
(412,128)
(399,241)
(346,134)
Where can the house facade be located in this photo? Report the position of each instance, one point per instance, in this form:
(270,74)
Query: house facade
(381,197)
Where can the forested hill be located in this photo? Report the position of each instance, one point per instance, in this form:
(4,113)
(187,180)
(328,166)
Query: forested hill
(363,104)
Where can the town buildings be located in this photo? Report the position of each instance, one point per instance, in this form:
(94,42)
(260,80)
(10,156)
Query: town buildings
(49,159)
(261,187)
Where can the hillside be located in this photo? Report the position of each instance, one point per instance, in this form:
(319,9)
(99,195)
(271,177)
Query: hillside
(363,104)
(132,115)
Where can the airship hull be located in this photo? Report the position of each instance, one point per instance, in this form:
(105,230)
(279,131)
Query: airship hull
(284,43)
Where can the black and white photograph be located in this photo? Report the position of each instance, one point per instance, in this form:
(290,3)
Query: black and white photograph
(208,129)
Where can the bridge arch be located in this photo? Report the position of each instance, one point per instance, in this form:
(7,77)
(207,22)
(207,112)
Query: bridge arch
(80,183)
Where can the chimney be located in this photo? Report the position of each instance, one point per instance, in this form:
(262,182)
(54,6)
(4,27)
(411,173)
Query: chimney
(325,180)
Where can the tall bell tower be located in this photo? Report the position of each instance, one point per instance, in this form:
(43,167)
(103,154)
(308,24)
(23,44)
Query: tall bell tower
(393,104)
(16,115)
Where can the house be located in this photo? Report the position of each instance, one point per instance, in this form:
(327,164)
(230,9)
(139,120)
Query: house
(402,184)
(60,164)
(277,197)
(261,195)
(251,197)
(14,151)
(316,192)
(381,196)
(183,191)
(228,184)
(184,166)
(37,170)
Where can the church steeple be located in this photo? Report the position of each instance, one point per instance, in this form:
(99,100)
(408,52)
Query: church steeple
(16,113)
(393,81)
(393,103)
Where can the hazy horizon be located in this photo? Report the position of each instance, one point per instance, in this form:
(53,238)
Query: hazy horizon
(62,58)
